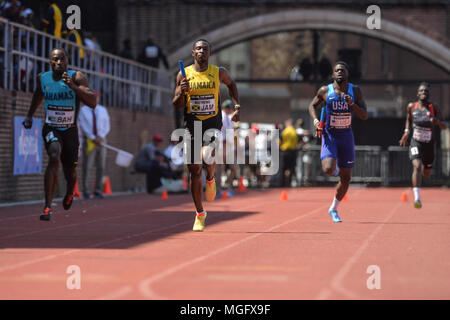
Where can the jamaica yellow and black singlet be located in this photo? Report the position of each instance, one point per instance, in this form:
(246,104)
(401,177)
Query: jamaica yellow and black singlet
(202,100)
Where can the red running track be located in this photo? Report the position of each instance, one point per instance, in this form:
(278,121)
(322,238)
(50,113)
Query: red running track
(254,247)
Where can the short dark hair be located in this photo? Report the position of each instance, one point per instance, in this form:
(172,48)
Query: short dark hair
(424,84)
(61,49)
(204,40)
(342,63)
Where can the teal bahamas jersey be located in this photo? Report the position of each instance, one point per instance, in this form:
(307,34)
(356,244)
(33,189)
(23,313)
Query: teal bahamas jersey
(60,102)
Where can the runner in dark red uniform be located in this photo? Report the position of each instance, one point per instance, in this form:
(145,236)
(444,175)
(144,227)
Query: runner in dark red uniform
(423,115)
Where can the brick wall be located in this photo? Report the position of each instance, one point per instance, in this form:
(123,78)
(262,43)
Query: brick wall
(138,20)
(129,131)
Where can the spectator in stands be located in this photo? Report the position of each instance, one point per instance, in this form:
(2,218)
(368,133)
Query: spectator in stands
(95,126)
(2,8)
(151,160)
(12,10)
(151,54)
(91,42)
(52,21)
(27,17)
(126,51)
(74,36)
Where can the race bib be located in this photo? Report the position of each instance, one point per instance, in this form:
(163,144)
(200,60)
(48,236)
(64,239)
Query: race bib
(60,116)
(422,134)
(203,105)
(340,120)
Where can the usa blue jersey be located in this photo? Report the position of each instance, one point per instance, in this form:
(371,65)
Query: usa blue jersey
(338,141)
(60,102)
(338,112)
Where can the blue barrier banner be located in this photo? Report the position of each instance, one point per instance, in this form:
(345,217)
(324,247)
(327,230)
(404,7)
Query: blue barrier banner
(27,147)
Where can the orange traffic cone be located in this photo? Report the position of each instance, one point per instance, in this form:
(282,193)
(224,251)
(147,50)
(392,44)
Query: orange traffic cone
(224,194)
(185,183)
(76,191)
(107,186)
(404,197)
(241,187)
(284,196)
(345,198)
(164,195)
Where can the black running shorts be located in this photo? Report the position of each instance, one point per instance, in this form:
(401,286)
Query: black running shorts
(68,141)
(422,150)
(213,123)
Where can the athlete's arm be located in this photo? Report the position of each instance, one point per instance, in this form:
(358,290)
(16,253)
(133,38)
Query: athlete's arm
(226,79)
(359,106)
(179,98)
(38,97)
(437,119)
(80,85)
(316,102)
(404,138)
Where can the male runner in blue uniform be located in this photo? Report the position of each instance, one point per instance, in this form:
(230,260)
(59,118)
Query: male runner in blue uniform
(61,90)
(338,146)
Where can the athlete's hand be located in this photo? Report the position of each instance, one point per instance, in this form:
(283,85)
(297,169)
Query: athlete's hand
(236,117)
(67,80)
(348,99)
(316,124)
(404,140)
(27,123)
(184,85)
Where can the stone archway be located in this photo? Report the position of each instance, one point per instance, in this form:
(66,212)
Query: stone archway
(321,20)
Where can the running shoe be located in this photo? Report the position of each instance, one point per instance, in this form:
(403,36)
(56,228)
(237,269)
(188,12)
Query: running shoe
(46,214)
(67,201)
(199,224)
(334,215)
(417,204)
(210,192)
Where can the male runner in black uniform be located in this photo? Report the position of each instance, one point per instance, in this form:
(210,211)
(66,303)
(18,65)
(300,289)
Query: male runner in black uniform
(61,90)
(423,115)
(198,94)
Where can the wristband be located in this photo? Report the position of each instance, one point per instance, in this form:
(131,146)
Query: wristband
(407,131)
(237,106)
(316,121)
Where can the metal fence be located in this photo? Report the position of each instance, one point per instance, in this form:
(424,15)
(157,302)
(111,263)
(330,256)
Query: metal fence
(373,165)
(122,83)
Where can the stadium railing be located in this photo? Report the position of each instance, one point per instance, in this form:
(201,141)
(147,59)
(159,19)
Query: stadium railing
(373,165)
(121,83)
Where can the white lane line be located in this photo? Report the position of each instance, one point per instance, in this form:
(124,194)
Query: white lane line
(53,256)
(336,282)
(145,285)
(114,295)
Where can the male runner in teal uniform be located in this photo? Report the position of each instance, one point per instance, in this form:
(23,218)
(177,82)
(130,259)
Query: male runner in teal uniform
(61,90)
